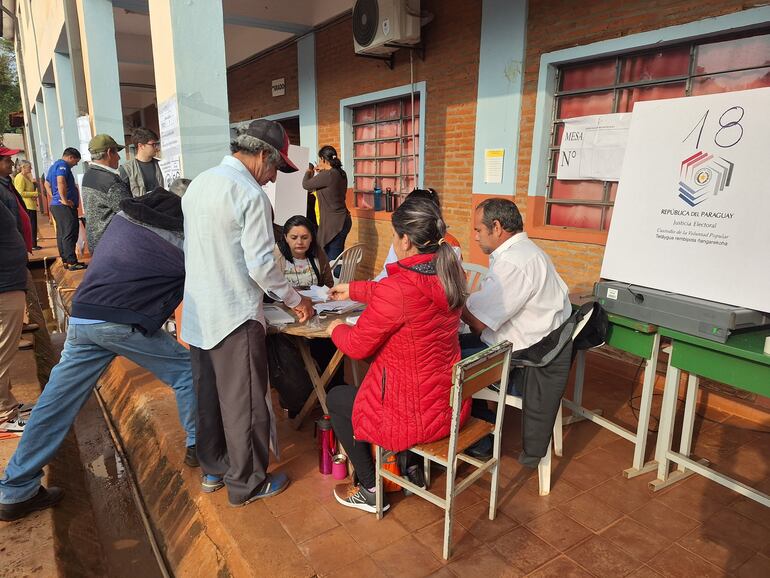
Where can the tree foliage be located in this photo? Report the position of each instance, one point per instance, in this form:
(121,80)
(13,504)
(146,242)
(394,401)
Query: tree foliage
(10,96)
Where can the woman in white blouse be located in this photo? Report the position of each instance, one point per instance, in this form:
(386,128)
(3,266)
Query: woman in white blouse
(299,256)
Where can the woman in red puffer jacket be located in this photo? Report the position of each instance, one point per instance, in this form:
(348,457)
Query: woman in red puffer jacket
(409,328)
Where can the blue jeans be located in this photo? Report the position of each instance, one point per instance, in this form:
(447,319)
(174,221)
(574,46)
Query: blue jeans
(87,352)
(334,247)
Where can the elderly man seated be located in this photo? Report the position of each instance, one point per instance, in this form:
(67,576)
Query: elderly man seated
(522,299)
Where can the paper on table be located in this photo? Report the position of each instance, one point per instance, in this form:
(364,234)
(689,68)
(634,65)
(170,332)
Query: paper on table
(336,306)
(353,319)
(274,315)
(316,293)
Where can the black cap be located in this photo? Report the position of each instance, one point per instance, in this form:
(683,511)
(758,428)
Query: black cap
(273,134)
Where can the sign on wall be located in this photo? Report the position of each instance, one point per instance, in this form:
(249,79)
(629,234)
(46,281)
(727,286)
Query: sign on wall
(279,87)
(592,147)
(692,208)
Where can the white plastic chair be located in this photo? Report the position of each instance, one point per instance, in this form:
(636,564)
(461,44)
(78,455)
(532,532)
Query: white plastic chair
(474,273)
(348,262)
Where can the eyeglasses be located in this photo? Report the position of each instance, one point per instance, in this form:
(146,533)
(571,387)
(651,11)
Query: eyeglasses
(153,144)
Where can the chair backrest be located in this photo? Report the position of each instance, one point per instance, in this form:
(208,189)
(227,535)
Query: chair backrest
(348,262)
(481,370)
(474,273)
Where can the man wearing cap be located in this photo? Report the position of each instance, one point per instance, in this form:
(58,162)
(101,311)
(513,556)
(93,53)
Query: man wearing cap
(60,184)
(103,189)
(229,264)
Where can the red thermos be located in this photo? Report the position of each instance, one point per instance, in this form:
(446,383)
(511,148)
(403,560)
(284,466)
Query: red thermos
(327,445)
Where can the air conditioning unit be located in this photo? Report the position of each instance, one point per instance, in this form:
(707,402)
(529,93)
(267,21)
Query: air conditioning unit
(380,27)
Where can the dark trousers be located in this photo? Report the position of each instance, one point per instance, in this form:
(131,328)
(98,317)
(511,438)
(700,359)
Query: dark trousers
(334,247)
(340,403)
(67,227)
(233,426)
(33,221)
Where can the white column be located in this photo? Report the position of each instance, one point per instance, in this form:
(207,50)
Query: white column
(65,91)
(41,139)
(308,112)
(188,45)
(53,126)
(100,67)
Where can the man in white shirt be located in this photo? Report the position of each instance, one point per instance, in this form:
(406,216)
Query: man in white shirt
(229,267)
(521,299)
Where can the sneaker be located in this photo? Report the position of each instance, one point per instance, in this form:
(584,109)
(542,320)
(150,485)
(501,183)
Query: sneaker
(45,498)
(75,266)
(15,425)
(191,457)
(211,483)
(275,483)
(353,496)
(25,407)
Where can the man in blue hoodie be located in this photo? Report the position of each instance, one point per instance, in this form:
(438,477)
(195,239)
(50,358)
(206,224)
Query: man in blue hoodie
(132,286)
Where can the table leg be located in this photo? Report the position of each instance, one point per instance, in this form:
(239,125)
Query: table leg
(319,382)
(666,426)
(645,407)
(688,423)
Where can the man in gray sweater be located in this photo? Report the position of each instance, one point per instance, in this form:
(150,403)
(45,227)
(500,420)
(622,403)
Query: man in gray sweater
(103,189)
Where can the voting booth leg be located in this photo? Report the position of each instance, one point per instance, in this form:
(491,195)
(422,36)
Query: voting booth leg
(577,395)
(638,466)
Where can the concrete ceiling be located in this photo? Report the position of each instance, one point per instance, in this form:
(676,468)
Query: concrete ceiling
(251,27)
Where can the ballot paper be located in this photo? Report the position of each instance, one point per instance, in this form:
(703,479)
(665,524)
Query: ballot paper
(344,306)
(317,294)
(275,315)
(353,319)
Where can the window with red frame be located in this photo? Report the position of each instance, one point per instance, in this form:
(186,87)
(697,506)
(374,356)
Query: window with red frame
(615,84)
(386,142)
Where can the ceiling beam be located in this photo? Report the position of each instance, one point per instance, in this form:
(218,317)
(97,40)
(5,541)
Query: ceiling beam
(142,7)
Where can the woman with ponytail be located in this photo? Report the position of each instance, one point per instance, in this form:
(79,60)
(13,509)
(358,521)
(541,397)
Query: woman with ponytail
(330,183)
(409,329)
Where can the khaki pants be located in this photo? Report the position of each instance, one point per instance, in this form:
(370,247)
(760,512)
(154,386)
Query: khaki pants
(11,321)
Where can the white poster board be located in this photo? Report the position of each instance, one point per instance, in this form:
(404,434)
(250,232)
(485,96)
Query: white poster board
(692,208)
(287,195)
(592,147)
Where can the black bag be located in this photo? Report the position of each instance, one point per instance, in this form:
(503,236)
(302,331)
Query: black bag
(287,372)
(594,333)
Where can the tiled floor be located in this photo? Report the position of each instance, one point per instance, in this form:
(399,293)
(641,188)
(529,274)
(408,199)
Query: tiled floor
(594,522)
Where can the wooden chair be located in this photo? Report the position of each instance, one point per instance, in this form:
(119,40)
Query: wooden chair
(348,262)
(474,273)
(469,376)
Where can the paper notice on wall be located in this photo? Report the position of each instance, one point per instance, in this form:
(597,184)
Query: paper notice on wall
(84,136)
(171,169)
(691,211)
(593,147)
(493,165)
(170,144)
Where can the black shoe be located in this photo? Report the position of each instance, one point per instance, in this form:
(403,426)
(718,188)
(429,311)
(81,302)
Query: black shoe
(45,498)
(479,451)
(413,473)
(77,266)
(191,457)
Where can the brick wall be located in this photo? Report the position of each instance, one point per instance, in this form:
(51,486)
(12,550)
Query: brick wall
(450,70)
(559,24)
(249,87)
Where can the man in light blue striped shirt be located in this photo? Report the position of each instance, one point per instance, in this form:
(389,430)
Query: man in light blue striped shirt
(229,265)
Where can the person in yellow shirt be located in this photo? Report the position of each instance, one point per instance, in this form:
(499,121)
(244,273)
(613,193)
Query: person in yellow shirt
(27,188)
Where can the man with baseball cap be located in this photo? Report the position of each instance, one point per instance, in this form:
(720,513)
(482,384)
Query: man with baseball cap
(65,199)
(229,266)
(103,189)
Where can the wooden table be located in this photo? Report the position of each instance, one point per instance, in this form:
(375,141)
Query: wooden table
(312,329)
(740,363)
(640,339)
